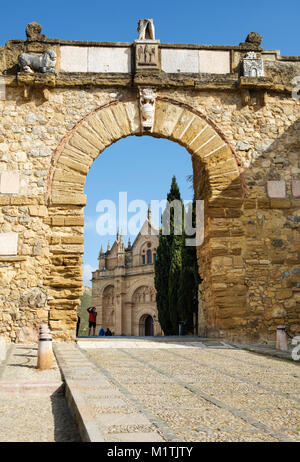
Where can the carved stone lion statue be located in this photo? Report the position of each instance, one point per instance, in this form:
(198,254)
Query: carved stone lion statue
(39,63)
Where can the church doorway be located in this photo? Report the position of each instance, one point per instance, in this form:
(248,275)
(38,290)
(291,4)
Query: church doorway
(146,326)
(149,326)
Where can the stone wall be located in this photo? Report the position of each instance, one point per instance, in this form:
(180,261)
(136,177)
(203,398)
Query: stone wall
(243,136)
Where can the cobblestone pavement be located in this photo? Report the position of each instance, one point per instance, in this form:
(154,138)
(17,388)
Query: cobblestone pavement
(194,393)
(32,402)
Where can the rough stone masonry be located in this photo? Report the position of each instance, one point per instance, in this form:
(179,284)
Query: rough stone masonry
(236,111)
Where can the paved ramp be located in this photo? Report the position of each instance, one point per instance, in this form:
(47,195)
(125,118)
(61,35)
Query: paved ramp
(170,389)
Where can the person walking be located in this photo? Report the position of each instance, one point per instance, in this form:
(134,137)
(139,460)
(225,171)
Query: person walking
(92,319)
(77,325)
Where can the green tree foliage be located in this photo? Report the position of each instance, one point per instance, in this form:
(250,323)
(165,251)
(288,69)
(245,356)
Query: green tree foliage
(168,264)
(161,281)
(189,281)
(176,270)
(174,279)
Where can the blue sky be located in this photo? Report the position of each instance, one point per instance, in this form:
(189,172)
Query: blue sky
(141,166)
(196,21)
(144,166)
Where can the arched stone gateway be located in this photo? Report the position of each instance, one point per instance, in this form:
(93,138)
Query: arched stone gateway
(59,111)
(217,176)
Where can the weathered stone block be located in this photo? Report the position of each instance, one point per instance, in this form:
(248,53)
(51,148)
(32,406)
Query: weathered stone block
(109,59)
(68,177)
(58,221)
(9,182)
(4,200)
(72,239)
(38,210)
(79,167)
(176,60)
(8,243)
(296,189)
(73,59)
(284,293)
(280,203)
(74,221)
(214,62)
(276,189)
(69,199)
(86,131)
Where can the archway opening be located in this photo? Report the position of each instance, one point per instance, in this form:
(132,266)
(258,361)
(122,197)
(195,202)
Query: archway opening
(119,265)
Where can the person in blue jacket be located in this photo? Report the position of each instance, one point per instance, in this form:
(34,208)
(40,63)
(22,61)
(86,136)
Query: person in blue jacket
(101,332)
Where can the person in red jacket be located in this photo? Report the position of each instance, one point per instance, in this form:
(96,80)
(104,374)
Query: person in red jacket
(92,319)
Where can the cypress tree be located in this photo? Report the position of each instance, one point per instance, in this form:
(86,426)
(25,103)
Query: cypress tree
(174,283)
(168,266)
(161,281)
(189,281)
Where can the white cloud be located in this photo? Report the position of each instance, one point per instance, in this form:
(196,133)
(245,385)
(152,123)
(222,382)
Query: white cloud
(87,274)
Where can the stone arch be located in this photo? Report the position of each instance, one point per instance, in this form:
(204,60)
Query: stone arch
(142,242)
(109,123)
(217,180)
(142,324)
(139,321)
(145,293)
(106,286)
(141,282)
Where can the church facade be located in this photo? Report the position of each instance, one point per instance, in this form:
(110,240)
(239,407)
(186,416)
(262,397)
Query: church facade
(123,289)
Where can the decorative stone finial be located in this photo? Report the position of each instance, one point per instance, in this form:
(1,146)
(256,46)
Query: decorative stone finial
(147,107)
(108,246)
(33,32)
(146,29)
(253,40)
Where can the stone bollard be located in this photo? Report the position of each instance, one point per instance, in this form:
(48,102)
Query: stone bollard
(281,339)
(45,354)
(2,349)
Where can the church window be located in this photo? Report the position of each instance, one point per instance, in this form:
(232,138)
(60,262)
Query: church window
(144,259)
(149,257)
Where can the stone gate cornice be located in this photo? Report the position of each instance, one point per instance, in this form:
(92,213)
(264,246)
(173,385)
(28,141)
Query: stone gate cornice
(184,81)
(116,64)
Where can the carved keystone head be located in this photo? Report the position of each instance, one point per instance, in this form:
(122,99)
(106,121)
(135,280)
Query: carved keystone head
(147,107)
